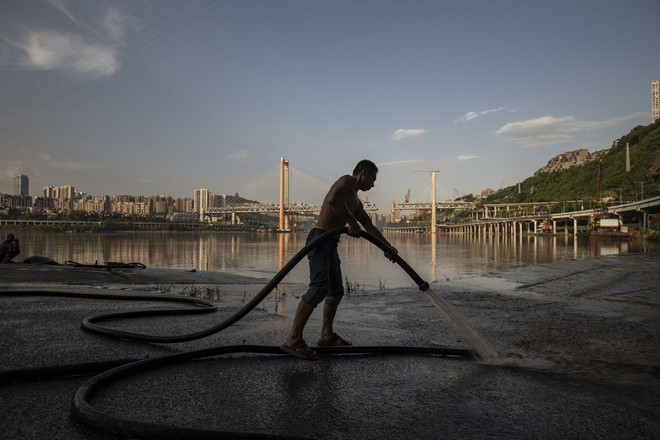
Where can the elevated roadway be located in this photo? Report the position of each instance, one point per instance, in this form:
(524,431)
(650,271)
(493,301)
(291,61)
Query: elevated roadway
(648,209)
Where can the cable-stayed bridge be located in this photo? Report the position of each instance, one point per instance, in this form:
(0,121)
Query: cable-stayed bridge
(286,191)
(282,190)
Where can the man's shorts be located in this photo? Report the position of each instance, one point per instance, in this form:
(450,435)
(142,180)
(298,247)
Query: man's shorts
(325,280)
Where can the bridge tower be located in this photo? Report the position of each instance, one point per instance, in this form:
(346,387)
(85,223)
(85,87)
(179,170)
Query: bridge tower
(434,205)
(284,195)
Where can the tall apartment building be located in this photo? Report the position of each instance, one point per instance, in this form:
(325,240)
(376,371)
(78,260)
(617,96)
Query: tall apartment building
(21,185)
(655,100)
(64,196)
(201,201)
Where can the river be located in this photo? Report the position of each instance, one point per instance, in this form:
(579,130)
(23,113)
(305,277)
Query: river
(448,257)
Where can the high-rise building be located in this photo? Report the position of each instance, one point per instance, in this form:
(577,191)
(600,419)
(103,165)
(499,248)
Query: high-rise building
(64,196)
(21,185)
(201,201)
(655,100)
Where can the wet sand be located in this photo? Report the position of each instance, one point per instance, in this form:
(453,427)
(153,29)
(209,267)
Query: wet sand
(581,339)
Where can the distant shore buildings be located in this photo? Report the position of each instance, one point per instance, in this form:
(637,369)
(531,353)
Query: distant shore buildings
(65,199)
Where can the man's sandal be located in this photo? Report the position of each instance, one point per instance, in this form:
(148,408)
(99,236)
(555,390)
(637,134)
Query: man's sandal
(301,350)
(334,341)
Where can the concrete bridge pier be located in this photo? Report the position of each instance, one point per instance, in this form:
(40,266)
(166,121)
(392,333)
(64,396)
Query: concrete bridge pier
(645,221)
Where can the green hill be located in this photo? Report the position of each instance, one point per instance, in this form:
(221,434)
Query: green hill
(579,182)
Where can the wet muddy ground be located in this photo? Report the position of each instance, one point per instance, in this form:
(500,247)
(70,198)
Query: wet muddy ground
(581,342)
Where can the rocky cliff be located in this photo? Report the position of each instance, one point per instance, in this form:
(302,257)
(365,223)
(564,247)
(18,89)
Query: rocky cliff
(570,159)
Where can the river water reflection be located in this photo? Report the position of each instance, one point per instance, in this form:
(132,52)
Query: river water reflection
(263,254)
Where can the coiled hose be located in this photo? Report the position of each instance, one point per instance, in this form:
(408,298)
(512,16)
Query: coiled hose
(84,412)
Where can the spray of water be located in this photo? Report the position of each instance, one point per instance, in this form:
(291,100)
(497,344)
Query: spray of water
(485,349)
(482,346)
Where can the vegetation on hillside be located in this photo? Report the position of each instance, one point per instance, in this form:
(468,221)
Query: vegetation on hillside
(579,182)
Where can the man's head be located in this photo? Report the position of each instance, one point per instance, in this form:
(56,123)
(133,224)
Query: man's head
(10,237)
(365,174)
(365,165)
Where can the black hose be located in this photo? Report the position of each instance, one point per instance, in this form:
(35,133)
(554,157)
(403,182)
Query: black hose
(423,285)
(88,415)
(90,323)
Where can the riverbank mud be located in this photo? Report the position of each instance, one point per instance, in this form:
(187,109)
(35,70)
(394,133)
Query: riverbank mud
(580,341)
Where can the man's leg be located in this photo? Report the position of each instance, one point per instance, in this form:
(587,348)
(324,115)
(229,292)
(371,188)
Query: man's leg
(329,313)
(328,336)
(303,312)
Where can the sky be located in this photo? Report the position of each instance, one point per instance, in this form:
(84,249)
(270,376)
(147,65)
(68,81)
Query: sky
(161,97)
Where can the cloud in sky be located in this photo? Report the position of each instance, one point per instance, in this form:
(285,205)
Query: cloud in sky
(462,158)
(38,47)
(10,169)
(241,154)
(473,115)
(548,130)
(42,49)
(45,161)
(402,133)
(72,166)
(396,163)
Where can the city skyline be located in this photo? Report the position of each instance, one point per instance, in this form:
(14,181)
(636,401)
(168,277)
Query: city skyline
(137,97)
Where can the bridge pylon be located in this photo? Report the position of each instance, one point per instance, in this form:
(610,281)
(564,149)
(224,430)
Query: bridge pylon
(283,225)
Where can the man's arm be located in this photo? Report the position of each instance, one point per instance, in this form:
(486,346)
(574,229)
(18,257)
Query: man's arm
(365,221)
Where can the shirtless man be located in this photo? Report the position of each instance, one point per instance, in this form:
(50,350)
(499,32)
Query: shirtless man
(340,207)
